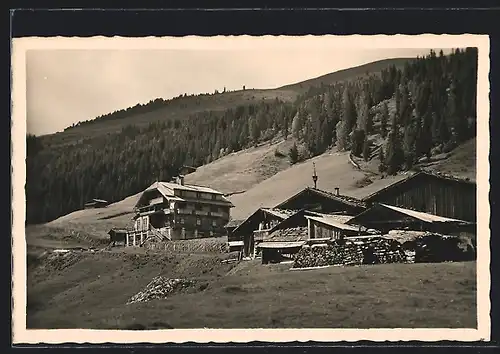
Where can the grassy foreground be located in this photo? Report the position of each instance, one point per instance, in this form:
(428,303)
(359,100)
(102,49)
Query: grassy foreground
(90,290)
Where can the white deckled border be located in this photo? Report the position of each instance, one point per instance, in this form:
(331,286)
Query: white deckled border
(22,335)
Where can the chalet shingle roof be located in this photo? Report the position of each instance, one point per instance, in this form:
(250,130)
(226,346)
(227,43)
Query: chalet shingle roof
(420,215)
(186,187)
(350,200)
(341,198)
(167,189)
(330,221)
(281,213)
(342,218)
(234,223)
(294,234)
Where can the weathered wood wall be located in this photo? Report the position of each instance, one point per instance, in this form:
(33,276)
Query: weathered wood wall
(433,195)
(320,230)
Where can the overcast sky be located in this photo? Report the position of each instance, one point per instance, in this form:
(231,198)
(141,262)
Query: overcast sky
(67,86)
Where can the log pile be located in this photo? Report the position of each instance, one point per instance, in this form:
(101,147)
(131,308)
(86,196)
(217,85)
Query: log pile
(396,247)
(351,252)
(440,248)
(159,288)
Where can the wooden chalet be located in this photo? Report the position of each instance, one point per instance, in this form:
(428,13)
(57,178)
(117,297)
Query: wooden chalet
(256,226)
(318,200)
(431,193)
(173,211)
(96,203)
(384,218)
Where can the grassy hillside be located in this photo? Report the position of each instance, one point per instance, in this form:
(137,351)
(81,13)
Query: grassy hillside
(90,290)
(184,106)
(346,74)
(461,162)
(242,170)
(259,178)
(177,109)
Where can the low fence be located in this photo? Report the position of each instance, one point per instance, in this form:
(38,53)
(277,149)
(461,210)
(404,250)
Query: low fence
(354,163)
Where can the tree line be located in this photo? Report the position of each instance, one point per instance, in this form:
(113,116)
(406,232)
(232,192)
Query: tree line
(405,113)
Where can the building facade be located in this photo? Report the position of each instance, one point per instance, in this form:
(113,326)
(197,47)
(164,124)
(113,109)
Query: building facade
(176,211)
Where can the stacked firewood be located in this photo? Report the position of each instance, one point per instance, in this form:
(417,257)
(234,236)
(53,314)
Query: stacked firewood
(159,288)
(440,248)
(351,252)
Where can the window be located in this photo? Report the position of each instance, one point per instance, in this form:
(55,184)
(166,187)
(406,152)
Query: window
(214,223)
(198,221)
(198,207)
(214,209)
(214,196)
(182,220)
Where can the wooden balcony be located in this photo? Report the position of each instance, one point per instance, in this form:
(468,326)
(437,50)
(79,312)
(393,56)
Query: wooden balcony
(150,209)
(259,235)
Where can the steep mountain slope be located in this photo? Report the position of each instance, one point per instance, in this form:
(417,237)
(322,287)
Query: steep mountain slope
(333,170)
(233,173)
(183,106)
(244,172)
(240,171)
(461,162)
(346,74)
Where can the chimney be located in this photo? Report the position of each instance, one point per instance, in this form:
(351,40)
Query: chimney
(315,177)
(180,180)
(337,190)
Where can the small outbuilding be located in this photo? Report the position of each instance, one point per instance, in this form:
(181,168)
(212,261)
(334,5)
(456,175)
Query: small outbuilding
(96,203)
(118,235)
(282,244)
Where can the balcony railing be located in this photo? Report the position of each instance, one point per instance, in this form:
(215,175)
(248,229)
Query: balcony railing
(153,209)
(259,235)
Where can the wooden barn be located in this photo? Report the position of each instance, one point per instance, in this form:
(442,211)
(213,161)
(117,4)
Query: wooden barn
(256,226)
(331,227)
(96,203)
(385,218)
(318,200)
(431,193)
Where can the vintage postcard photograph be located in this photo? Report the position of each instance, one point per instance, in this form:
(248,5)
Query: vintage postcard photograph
(239,188)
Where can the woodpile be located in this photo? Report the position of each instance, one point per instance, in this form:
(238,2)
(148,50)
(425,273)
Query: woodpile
(399,246)
(159,288)
(440,248)
(354,251)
